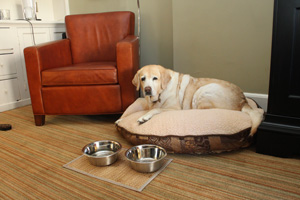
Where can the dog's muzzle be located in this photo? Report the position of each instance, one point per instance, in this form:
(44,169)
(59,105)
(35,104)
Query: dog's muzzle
(148,91)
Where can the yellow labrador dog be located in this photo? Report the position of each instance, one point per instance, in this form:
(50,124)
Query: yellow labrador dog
(164,89)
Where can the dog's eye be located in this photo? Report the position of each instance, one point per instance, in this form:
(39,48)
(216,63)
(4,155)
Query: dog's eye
(154,78)
(143,78)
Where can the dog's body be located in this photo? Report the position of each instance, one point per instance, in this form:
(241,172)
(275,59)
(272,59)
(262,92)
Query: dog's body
(165,89)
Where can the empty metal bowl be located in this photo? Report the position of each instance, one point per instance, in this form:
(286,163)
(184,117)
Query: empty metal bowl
(146,157)
(102,153)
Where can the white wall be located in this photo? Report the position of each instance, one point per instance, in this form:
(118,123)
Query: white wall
(15,7)
(225,39)
(48,10)
(157,33)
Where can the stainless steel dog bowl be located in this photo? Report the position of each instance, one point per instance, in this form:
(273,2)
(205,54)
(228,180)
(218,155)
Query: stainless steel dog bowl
(102,153)
(146,157)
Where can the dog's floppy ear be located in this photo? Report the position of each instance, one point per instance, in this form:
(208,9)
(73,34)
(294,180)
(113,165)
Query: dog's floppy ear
(136,81)
(165,78)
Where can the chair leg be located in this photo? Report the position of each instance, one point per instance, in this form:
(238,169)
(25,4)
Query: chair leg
(39,120)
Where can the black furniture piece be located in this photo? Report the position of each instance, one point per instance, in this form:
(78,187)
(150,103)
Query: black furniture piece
(279,134)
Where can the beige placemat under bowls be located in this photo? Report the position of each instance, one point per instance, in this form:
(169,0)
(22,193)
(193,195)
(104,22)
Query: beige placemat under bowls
(119,173)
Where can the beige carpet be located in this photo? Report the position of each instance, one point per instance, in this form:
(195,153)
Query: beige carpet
(31,160)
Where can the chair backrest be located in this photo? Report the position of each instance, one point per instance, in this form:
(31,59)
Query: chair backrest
(94,37)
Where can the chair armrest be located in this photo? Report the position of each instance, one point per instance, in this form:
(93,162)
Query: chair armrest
(48,55)
(41,57)
(127,65)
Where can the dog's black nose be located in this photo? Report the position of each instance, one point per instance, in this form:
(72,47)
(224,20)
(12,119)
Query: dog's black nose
(148,90)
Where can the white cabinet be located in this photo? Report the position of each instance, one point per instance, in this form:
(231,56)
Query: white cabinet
(56,33)
(8,49)
(14,37)
(26,38)
(9,91)
(9,83)
(8,66)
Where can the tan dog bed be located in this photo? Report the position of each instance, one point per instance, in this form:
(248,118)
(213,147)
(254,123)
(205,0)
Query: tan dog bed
(190,131)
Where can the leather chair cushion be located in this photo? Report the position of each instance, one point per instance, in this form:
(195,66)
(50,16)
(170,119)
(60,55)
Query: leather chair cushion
(93,73)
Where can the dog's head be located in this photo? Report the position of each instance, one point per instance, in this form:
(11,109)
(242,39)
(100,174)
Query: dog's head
(152,79)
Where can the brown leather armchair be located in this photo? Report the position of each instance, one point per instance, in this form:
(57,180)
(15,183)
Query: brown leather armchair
(90,72)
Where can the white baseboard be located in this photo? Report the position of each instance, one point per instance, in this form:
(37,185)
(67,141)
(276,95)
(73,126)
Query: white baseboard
(261,99)
(13,105)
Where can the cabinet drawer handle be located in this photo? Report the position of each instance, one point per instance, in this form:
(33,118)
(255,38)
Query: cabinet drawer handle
(10,49)
(6,54)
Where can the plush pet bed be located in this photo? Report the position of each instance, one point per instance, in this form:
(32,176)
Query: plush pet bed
(189,131)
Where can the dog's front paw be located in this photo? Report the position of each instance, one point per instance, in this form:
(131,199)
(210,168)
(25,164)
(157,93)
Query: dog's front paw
(144,118)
